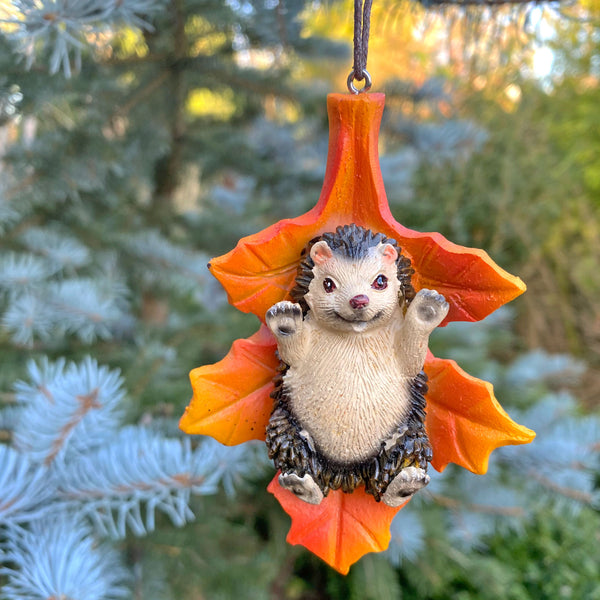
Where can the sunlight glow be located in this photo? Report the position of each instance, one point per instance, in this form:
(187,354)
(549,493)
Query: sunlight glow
(543,61)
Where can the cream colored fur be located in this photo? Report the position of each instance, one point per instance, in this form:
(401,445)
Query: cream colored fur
(350,370)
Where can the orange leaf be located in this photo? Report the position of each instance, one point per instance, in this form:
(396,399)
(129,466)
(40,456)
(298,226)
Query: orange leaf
(340,530)
(465,422)
(261,269)
(231,398)
(468,278)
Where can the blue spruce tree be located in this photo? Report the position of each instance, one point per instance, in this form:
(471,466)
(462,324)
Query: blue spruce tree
(138,139)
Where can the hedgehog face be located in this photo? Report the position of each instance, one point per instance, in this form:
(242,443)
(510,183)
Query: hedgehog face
(353,295)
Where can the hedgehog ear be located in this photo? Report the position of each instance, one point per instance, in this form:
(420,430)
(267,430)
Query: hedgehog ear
(388,253)
(320,252)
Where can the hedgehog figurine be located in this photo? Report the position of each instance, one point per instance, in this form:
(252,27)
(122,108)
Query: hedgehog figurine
(349,405)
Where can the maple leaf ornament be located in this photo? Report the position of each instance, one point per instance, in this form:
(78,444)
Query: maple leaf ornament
(231,399)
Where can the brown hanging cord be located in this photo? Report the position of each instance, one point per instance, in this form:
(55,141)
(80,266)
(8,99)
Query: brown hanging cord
(362,25)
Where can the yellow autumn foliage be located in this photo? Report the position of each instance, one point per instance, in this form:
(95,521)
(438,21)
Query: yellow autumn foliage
(203,102)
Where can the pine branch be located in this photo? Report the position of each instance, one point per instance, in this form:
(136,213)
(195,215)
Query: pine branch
(69,410)
(88,308)
(570,493)
(41,374)
(562,459)
(80,468)
(25,487)
(539,366)
(135,468)
(454,504)
(9,417)
(63,250)
(165,265)
(27,317)
(62,28)
(140,471)
(59,558)
(144,91)
(21,271)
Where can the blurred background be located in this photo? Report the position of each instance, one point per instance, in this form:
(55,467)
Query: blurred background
(140,138)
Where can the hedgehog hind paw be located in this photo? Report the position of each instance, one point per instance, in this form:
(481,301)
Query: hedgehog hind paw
(304,487)
(404,485)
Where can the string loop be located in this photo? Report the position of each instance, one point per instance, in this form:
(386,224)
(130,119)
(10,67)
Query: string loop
(362,25)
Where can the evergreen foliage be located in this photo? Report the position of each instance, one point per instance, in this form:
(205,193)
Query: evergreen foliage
(73,466)
(59,559)
(61,28)
(181,126)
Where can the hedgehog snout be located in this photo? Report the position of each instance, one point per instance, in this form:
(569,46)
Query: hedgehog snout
(360,301)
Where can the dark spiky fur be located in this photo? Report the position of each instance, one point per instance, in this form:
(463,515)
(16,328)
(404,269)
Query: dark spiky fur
(291,452)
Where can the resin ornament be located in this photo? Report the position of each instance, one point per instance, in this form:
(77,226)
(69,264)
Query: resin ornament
(232,399)
(350,406)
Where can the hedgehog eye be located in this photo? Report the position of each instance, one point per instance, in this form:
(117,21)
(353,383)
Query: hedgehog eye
(380,282)
(329,285)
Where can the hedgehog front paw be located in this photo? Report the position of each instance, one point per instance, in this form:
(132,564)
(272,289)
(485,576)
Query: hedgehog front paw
(284,318)
(304,487)
(404,485)
(430,308)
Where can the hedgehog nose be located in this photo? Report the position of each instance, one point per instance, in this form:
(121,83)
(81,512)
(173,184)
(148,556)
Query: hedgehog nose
(359,301)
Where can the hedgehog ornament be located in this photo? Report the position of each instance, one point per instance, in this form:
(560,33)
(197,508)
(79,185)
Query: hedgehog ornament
(349,405)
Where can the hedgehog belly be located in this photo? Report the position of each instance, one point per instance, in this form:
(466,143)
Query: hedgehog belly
(349,394)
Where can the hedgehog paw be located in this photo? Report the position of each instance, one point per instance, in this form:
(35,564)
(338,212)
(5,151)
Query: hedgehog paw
(404,485)
(304,487)
(430,307)
(284,318)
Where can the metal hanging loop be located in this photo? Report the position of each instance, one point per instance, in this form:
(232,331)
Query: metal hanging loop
(350,82)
